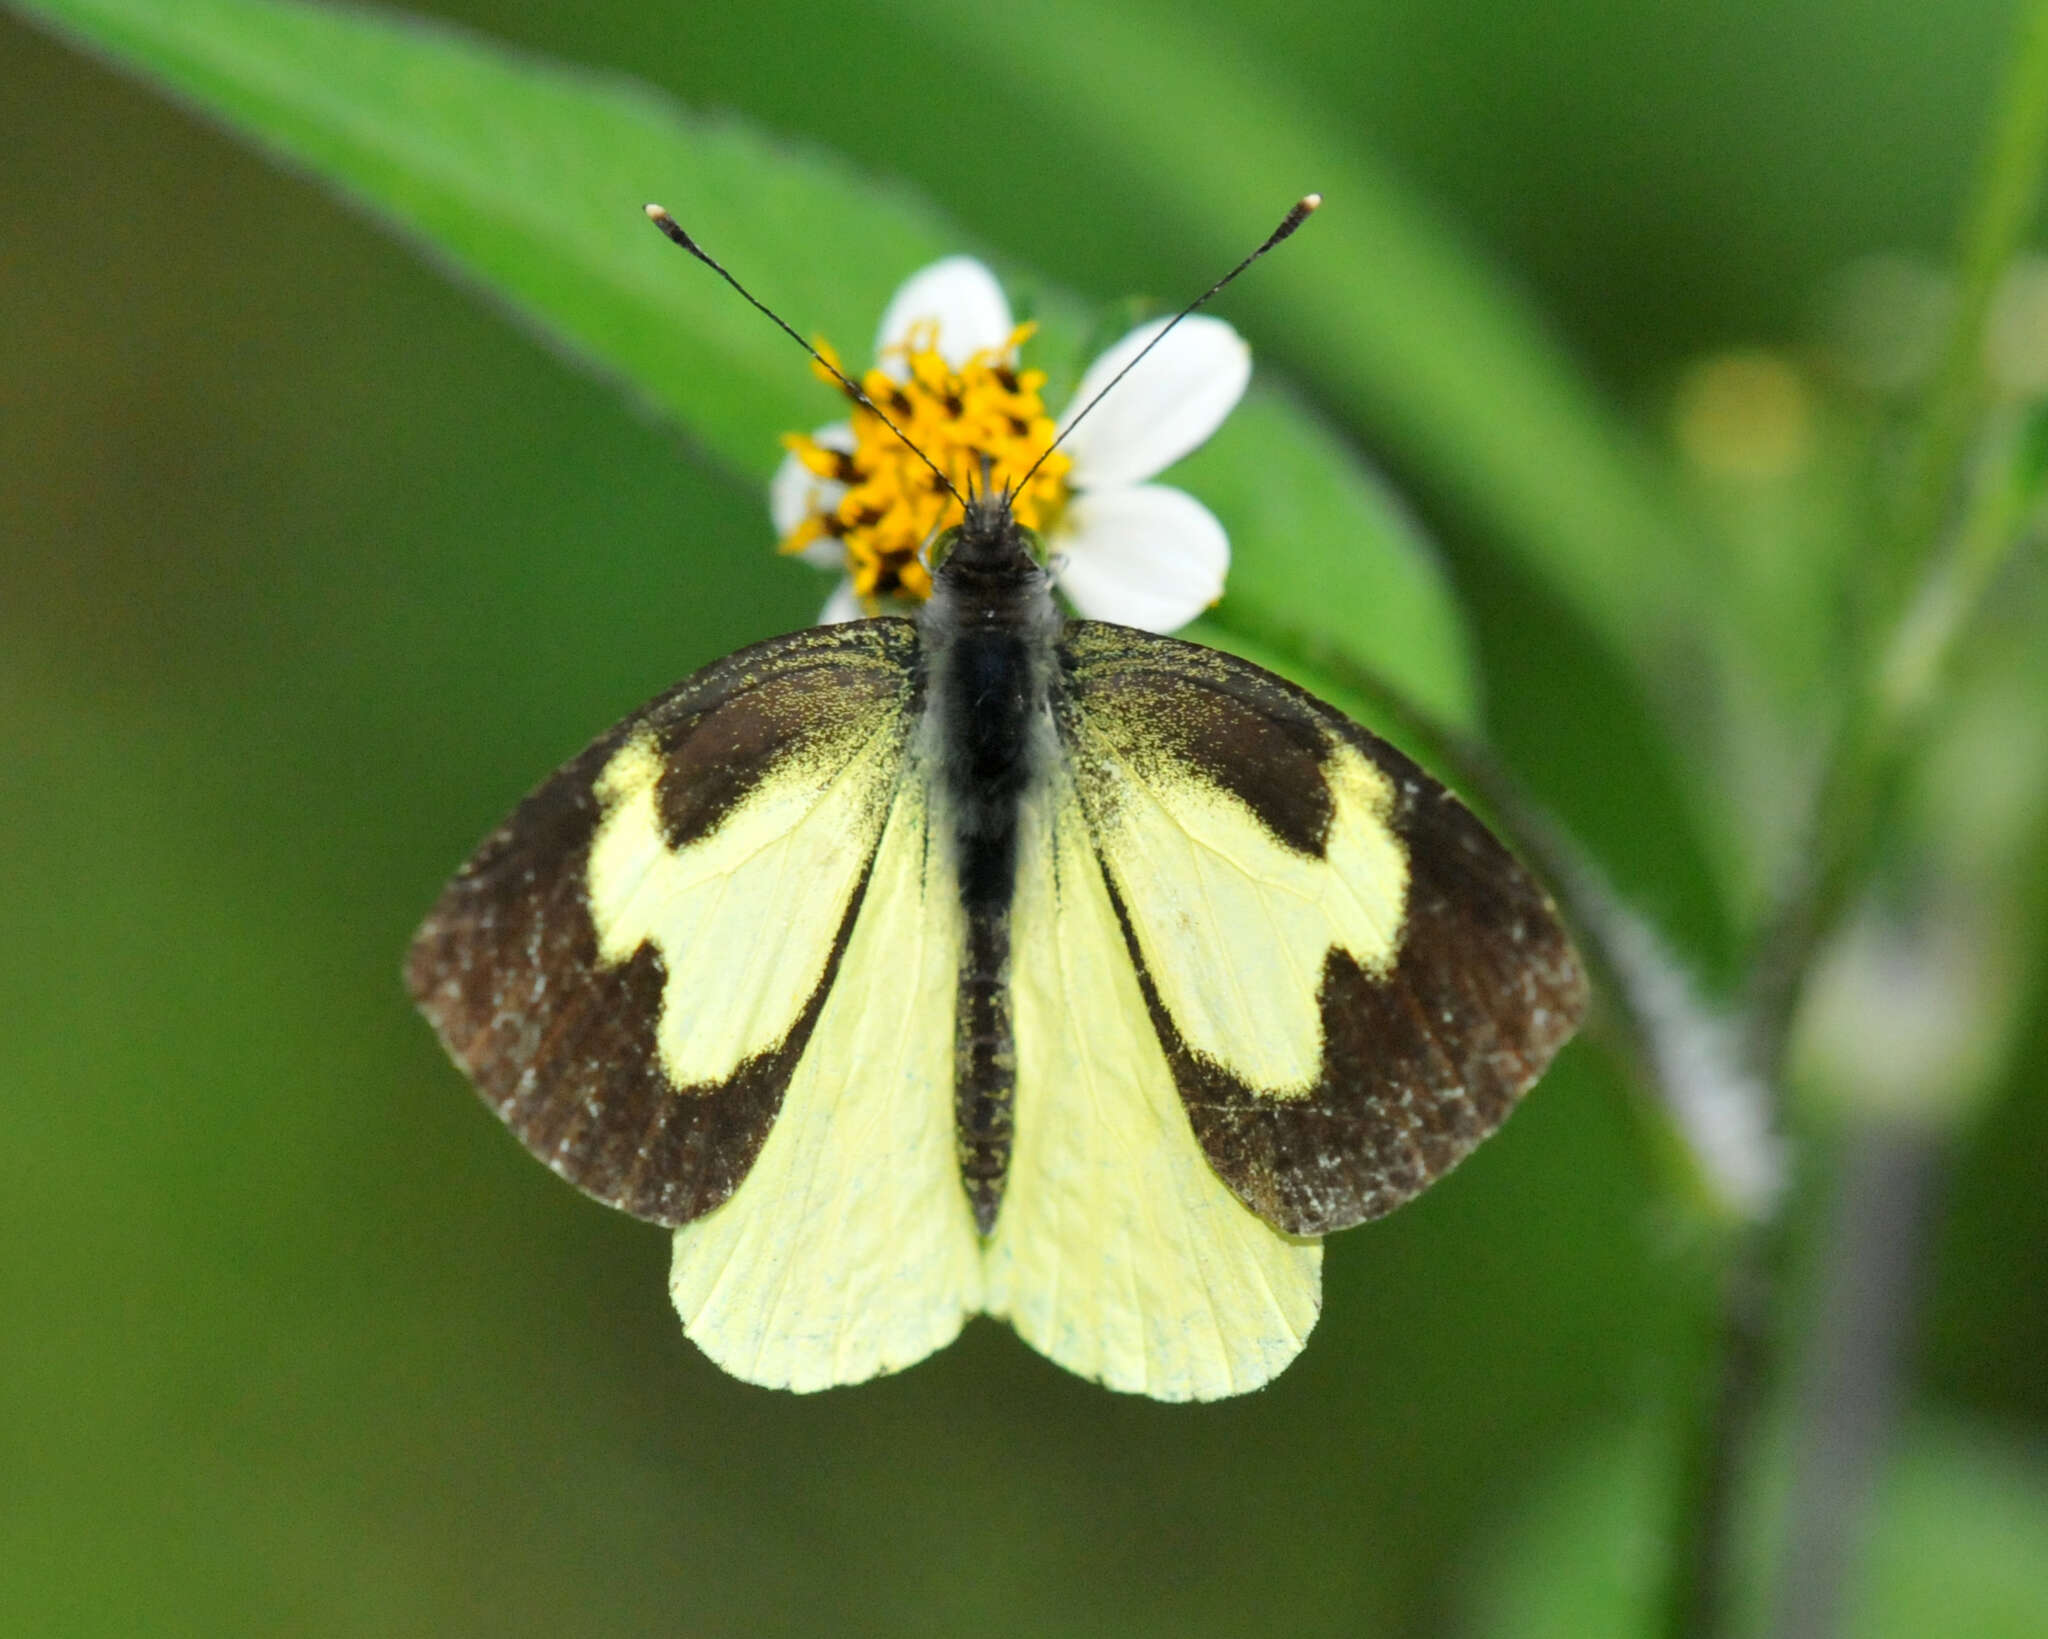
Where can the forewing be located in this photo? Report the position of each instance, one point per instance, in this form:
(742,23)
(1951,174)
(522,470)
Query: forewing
(632,967)
(1351,980)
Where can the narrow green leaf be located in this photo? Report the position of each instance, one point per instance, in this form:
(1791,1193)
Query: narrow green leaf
(2005,199)
(527,180)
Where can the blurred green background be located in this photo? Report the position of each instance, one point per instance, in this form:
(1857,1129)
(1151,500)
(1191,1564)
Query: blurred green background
(313,564)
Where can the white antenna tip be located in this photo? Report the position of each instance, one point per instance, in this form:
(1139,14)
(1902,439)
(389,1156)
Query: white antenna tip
(1309,202)
(654,213)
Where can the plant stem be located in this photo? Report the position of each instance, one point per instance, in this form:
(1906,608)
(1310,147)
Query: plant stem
(1886,1203)
(1895,693)
(1727,1398)
(1892,699)
(2001,209)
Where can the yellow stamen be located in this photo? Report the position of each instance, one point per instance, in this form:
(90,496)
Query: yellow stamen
(986,411)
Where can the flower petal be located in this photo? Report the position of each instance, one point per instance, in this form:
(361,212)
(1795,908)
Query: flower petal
(795,492)
(826,552)
(1165,408)
(961,297)
(841,606)
(1148,555)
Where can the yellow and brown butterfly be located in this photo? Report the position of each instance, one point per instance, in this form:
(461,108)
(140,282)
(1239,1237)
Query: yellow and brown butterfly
(997,962)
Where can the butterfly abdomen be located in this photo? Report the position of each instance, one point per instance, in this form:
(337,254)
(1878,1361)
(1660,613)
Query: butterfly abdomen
(985,1067)
(991,718)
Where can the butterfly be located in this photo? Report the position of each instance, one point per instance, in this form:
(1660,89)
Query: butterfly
(993,961)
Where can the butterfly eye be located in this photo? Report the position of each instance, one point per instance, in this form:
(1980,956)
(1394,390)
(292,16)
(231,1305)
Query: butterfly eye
(942,548)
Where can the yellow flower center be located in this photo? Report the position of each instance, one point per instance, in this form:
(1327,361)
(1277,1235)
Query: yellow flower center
(987,414)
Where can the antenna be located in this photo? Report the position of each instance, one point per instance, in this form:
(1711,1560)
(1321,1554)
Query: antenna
(674,230)
(1304,208)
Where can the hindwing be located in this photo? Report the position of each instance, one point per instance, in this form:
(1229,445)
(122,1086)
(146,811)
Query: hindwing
(850,1248)
(1119,1252)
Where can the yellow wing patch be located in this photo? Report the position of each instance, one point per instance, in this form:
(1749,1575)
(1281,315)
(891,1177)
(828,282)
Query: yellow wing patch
(735,915)
(1119,1253)
(849,1250)
(1234,923)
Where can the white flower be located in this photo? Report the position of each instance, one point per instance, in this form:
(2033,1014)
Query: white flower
(851,497)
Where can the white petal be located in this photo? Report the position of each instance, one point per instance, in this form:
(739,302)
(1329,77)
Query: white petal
(961,297)
(795,492)
(1147,556)
(1162,409)
(826,552)
(841,606)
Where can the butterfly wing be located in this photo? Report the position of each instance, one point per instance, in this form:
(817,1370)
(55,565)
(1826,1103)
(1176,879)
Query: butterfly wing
(1351,980)
(1267,979)
(850,1250)
(1119,1252)
(701,973)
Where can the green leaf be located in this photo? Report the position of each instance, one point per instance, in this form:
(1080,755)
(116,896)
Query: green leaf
(1339,557)
(527,179)
(1407,330)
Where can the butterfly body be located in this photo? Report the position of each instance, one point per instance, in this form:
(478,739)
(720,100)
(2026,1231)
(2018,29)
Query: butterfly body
(988,640)
(995,962)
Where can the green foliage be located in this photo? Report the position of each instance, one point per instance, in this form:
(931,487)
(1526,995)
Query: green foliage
(529,180)
(1422,340)
(313,568)
(1959,1530)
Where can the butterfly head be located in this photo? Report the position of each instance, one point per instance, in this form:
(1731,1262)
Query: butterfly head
(988,570)
(988,547)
